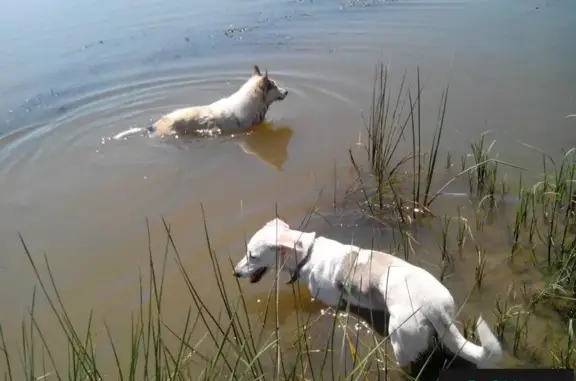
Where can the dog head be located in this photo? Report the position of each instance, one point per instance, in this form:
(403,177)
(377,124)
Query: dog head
(271,91)
(275,244)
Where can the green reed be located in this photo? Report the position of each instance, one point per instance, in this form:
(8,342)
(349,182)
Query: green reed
(480,266)
(503,316)
(520,220)
(520,331)
(469,328)
(462,229)
(393,119)
(445,225)
(565,356)
(485,171)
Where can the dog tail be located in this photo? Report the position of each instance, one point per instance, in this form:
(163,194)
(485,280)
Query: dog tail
(484,356)
(132,131)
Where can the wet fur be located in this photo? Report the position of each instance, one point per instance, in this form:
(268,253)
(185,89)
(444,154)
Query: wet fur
(243,109)
(419,306)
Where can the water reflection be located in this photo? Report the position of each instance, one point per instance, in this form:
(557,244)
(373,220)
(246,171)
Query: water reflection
(264,304)
(268,143)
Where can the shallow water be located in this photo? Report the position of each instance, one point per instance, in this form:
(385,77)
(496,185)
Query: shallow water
(74,74)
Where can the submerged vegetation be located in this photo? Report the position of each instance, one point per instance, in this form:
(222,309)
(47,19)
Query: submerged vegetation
(395,191)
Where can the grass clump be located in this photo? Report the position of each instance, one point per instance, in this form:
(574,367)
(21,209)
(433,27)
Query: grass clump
(393,120)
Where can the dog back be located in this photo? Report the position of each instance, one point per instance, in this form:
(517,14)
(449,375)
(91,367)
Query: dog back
(359,277)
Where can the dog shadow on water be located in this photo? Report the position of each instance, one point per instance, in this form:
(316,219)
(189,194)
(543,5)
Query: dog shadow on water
(427,367)
(268,143)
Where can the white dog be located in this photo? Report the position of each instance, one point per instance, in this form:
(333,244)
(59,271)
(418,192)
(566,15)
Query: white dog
(418,304)
(245,108)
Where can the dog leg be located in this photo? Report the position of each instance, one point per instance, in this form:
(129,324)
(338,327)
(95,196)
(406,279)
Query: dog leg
(409,337)
(329,297)
(403,360)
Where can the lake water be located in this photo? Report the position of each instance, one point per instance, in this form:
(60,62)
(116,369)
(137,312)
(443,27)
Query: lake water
(72,74)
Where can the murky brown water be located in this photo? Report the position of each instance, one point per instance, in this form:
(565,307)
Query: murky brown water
(74,74)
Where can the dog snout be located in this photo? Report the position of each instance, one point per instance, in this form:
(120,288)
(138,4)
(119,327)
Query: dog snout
(240,270)
(238,273)
(282,92)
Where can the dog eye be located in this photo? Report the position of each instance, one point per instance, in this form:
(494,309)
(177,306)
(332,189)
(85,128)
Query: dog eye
(250,256)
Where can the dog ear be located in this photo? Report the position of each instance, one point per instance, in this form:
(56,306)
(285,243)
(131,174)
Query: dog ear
(285,241)
(256,70)
(266,74)
(287,244)
(278,222)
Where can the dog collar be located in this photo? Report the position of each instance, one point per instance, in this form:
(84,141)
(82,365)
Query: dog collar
(296,274)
